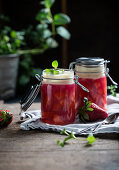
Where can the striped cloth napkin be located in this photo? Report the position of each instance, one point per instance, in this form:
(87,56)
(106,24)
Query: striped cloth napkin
(34,121)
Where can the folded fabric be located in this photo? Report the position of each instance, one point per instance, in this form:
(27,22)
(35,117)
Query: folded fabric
(111,99)
(34,121)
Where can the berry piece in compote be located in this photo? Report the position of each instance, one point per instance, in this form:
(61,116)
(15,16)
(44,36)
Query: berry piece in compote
(58,106)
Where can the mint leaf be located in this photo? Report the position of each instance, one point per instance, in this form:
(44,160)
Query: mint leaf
(55,72)
(91,139)
(55,64)
(48,71)
(60,143)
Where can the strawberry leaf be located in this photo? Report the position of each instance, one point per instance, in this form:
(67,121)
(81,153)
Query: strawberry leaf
(90,109)
(83,111)
(88,104)
(86,116)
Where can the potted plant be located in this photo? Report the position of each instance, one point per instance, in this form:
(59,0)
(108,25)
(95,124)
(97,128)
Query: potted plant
(10,42)
(14,43)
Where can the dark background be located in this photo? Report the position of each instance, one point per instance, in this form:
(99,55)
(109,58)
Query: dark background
(94,30)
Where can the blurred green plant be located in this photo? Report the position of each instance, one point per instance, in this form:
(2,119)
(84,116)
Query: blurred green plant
(48,27)
(27,70)
(33,40)
(10,40)
(42,37)
(112,89)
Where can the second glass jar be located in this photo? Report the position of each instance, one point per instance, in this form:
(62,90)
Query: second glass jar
(91,72)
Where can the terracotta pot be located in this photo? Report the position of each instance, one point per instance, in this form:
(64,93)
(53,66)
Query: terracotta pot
(8,75)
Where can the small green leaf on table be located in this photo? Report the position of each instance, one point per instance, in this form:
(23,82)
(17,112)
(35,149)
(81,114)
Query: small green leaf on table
(91,139)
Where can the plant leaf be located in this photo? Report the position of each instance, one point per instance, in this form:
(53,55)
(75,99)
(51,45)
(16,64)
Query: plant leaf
(63,32)
(13,34)
(41,27)
(49,3)
(43,16)
(51,43)
(89,109)
(46,33)
(61,19)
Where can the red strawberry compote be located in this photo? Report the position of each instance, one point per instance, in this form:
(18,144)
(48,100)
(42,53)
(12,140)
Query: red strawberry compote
(58,98)
(97,91)
(91,72)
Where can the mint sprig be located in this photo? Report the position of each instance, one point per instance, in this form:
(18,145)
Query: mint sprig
(54,70)
(70,136)
(55,64)
(91,139)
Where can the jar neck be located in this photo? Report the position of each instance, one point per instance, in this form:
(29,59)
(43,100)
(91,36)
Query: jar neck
(65,77)
(58,81)
(90,71)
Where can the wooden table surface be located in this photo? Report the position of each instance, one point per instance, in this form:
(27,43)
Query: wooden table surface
(37,150)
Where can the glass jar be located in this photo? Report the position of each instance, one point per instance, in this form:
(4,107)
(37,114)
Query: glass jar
(91,72)
(58,97)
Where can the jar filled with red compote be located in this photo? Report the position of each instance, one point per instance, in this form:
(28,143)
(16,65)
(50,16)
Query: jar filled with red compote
(91,73)
(58,97)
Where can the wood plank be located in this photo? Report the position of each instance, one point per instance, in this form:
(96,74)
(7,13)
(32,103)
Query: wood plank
(35,149)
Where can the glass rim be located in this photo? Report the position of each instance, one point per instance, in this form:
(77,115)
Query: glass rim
(64,74)
(60,69)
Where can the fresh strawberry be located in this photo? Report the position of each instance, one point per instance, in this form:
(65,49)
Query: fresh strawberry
(91,112)
(6,118)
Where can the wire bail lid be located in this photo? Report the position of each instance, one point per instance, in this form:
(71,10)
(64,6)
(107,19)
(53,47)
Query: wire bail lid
(30,95)
(92,62)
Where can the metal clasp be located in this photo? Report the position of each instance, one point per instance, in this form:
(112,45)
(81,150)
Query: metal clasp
(107,73)
(31,94)
(77,82)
